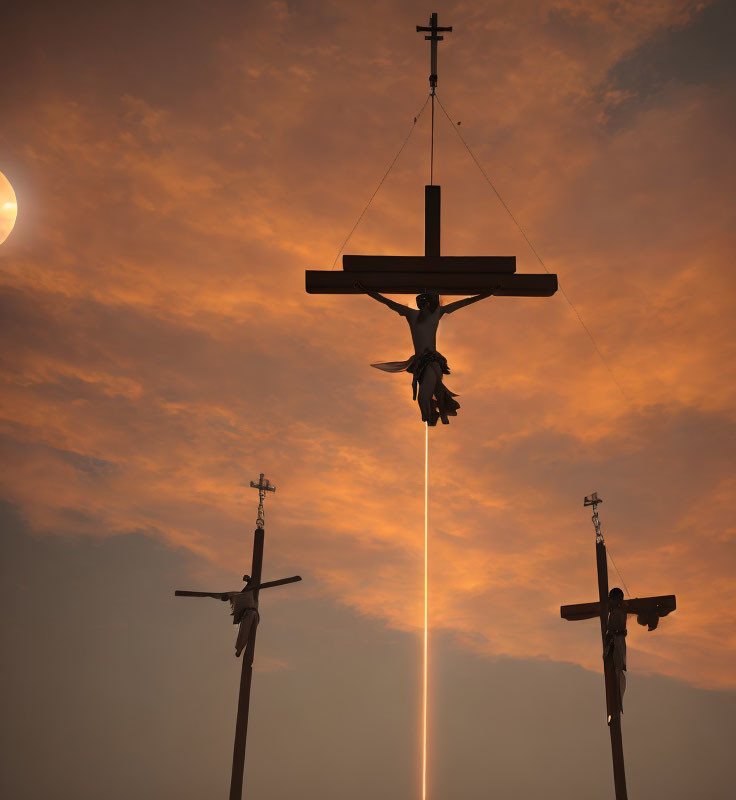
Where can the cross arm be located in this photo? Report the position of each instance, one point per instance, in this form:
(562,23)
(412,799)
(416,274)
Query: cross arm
(429,263)
(228,595)
(580,611)
(216,595)
(447,283)
(648,610)
(280,582)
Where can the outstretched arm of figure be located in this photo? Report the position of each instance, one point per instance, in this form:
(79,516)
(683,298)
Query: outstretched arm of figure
(216,595)
(394,306)
(450,307)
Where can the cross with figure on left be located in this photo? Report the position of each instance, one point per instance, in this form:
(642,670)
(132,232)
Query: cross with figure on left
(244,610)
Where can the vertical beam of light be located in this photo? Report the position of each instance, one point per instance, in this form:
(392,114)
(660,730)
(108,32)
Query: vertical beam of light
(426,616)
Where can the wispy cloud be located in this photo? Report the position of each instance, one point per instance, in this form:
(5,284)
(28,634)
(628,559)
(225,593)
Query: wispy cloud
(160,350)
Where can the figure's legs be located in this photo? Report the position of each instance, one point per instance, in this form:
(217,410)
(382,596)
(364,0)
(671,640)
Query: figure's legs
(431,375)
(247,624)
(621,688)
(446,404)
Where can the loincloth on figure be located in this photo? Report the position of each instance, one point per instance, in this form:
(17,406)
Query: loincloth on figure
(416,365)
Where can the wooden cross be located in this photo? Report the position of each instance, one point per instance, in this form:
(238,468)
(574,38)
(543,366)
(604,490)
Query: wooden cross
(648,610)
(432,272)
(253,585)
(433,38)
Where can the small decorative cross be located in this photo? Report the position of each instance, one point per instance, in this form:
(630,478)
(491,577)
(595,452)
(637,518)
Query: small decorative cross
(433,38)
(263,486)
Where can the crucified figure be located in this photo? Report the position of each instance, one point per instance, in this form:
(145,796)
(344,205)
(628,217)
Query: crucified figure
(244,609)
(614,643)
(427,366)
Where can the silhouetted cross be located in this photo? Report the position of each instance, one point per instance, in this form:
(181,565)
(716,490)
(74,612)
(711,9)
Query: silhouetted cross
(648,611)
(263,487)
(244,605)
(433,38)
(432,272)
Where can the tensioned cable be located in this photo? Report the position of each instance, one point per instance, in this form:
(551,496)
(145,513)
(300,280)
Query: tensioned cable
(380,183)
(618,572)
(534,250)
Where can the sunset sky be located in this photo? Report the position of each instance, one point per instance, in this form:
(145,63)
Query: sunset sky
(177,166)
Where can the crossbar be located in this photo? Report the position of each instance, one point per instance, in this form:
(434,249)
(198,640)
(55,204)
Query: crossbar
(444,264)
(661,604)
(460,283)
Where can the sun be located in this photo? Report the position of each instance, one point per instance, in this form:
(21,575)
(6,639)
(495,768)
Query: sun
(8,208)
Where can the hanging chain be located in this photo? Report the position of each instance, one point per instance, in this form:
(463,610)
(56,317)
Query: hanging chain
(263,486)
(593,500)
(260,521)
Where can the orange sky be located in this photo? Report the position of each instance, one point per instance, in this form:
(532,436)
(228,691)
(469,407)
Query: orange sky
(160,350)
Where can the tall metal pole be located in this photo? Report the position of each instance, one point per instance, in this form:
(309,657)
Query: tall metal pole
(609,671)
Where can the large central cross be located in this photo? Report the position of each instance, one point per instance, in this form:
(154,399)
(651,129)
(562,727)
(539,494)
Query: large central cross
(447,275)
(432,272)
(648,611)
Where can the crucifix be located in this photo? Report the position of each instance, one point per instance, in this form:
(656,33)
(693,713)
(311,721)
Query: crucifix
(428,277)
(244,610)
(613,610)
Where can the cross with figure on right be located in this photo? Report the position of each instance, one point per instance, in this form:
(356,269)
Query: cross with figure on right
(613,611)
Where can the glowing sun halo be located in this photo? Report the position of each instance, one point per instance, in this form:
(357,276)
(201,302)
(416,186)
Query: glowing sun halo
(8,208)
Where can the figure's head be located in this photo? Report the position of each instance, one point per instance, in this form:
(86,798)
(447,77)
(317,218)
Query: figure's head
(429,300)
(246,578)
(615,597)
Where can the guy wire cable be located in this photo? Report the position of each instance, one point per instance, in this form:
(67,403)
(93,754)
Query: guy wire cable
(380,183)
(534,250)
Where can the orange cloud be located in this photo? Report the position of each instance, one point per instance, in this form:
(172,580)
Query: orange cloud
(160,350)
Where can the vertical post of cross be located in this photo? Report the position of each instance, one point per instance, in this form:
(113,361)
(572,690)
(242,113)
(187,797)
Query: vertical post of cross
(246,672)
(609,671)
(433,38)
(432,210)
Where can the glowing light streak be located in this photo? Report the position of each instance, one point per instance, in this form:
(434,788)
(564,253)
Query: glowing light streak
(426,616)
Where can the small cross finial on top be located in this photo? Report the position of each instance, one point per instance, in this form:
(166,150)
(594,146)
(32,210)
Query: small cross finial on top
(433,38)
(263,486)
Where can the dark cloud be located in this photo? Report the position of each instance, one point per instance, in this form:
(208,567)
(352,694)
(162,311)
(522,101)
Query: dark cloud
(103,665)
(701,53)
(154,315)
